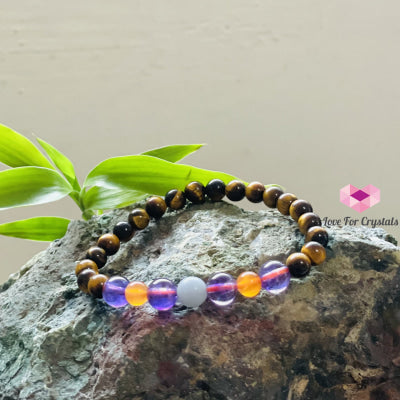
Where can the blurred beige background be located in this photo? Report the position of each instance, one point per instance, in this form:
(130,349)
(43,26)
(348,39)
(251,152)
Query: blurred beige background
(302,93)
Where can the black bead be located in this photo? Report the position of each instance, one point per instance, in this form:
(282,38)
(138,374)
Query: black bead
(215,189)
(124,231)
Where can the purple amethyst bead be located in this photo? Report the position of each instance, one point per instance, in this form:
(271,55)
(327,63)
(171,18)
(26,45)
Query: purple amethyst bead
(275,276)
(162,294)
(222,289)
(114,291)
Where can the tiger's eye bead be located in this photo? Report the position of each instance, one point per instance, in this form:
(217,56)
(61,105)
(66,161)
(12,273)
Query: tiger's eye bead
(284,201)
(271,195)
(138,218)
(299,264)
(95,285)
(235,190)
(215,189)
(248,284)
(98,255)
(315,252)
(254,192)
(83,279)
(317,234)
(136,293)
(155,206)
(84,264)
(195,192)
(307,220)
(109,242)
(175,199)
(124,231)
(299,207)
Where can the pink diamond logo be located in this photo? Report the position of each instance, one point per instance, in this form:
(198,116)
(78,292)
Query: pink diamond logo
(360,199)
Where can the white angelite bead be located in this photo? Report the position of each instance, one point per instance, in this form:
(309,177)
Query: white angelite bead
(192,291)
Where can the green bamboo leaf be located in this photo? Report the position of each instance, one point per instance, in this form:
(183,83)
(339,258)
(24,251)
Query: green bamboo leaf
(17,151)
(62,162)
(149,174)
(44,229)
(26,186)
(174,152)
(99,198)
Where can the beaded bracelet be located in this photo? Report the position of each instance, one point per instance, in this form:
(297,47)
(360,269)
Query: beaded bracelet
(221,288)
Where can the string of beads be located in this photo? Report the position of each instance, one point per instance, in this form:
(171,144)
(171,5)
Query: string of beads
(221,289)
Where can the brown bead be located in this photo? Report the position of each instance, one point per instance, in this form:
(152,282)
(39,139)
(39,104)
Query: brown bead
(109,242)
(271,195)
(299,207)
(95,285)
(156,206)
(83,279)
(138,218)
(284,201)
(307,220)
(175,199)
(235,190)
(215,189)
(84,264)
(317,234)
(315,252)
(254,192)
(195,192)
(98,255)
(299,264)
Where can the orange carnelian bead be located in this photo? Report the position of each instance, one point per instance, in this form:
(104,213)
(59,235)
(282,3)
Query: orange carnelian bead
(249,284)
(136,293)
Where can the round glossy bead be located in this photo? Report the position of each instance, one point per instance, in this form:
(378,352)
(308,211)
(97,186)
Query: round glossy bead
(109,242)
(136,293)
(138,218)
(271,195)
(254,192)
(317,234)
(114,291)
(175,199)
(215,189)
(162,294)
(275,276)
(83,279)
(299,207)
(284,201)
(315,252)
(235,190)
(307,220)
(195,192)
(95,285)
(98,255)
(248,284)
(299,264)
(156,206)
(192,291)
(84,264)
(124,231)
(221,289)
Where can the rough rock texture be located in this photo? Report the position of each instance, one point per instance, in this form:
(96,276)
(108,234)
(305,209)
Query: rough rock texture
(333,335)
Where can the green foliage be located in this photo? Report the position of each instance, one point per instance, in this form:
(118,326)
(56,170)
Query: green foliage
(113,183)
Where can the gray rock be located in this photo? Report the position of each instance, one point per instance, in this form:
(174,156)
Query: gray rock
(333,335)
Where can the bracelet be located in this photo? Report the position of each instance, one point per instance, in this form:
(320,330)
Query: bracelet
(221,289)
